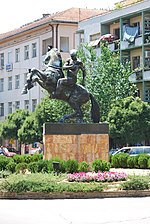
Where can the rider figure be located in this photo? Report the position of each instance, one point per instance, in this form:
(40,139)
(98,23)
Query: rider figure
(72,65)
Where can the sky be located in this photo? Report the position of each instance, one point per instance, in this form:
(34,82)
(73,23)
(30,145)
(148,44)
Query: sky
(15,13)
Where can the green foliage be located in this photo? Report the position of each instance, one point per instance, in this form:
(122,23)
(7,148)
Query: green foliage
(119,160)
(136,183)
(21,167)
(46,183)
(32,167)
(71,166)
(107,79)
(11,166)
(129,121)
(18,158)
(29,131)
(83,166)
(143,161)
(132,162)
(148,163)
(100,165)
(3,162)
(13,123)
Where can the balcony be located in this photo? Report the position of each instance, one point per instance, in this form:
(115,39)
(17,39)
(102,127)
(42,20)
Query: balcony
(115,45)
(136,76)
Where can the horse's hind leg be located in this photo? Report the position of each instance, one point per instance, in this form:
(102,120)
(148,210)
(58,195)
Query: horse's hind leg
(77,114)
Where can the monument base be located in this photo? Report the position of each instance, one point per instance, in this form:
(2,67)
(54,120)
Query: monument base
(81,142)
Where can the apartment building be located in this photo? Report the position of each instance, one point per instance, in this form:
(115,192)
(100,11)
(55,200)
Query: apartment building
(24,48)
(127,30)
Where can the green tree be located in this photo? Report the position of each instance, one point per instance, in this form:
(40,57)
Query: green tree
(106,78)
(13,123)
(129,121)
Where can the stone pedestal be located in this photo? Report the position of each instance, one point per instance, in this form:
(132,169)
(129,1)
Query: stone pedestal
(82,142)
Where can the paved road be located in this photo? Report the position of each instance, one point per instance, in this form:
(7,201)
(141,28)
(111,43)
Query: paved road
(76,211)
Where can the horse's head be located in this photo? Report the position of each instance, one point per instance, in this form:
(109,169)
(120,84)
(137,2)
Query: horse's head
(53,58)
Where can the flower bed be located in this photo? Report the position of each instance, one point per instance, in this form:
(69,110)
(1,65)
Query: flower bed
(97,177)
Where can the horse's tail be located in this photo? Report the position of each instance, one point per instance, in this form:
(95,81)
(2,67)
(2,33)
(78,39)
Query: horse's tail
(95,110)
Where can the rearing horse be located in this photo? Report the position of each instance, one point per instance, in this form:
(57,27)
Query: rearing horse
(75,95)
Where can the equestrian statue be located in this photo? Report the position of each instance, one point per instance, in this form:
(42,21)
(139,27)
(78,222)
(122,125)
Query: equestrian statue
(64,88)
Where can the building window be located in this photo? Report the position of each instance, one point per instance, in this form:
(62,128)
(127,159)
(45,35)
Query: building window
(26,52)
(9,107)
(95,36)
(17,81)
(17,55)
(1,85)
(1,109)
(136,62)
(2,61)
(64,44)
(26,104)
(9,57)
(45,44)
(34,104)
(34,50)
(17,105)
(116,33)
(10,83)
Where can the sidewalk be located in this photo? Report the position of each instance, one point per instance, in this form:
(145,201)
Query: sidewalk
(142,172)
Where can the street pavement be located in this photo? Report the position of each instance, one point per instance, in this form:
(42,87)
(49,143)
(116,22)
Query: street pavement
(76,211)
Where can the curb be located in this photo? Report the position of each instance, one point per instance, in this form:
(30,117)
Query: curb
(72,195)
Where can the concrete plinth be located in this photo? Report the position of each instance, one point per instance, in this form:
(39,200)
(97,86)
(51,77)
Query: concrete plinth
(82,142)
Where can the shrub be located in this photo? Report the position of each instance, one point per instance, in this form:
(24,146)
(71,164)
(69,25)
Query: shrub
(135,183)
(62,163)
(21,167)
(148,163)
(11,166)
(18,159)
(130,162)
(120,160)
(71,166)
(27,158)
(37,157)
(100,165)
(3,162)
(32,167)
(42,166)
(83,166)
(143,161)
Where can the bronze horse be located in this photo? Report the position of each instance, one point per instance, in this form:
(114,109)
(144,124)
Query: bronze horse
(75,95)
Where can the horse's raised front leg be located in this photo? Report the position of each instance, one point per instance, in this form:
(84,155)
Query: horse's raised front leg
(29,84)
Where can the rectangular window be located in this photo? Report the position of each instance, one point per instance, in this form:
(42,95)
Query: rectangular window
(2,61)
(9,107)
(34,50)
(17,105)
(64,44)
(45,44)
(1,85)
(17,81)
(17,54)
(116,33)
(26,52)
(10,83)
(25,78)
(136,62)
(26,104)
(1,109)
(95,36)
(34,104)
(9,57)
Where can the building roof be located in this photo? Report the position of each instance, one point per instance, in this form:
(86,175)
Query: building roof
(72,15)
